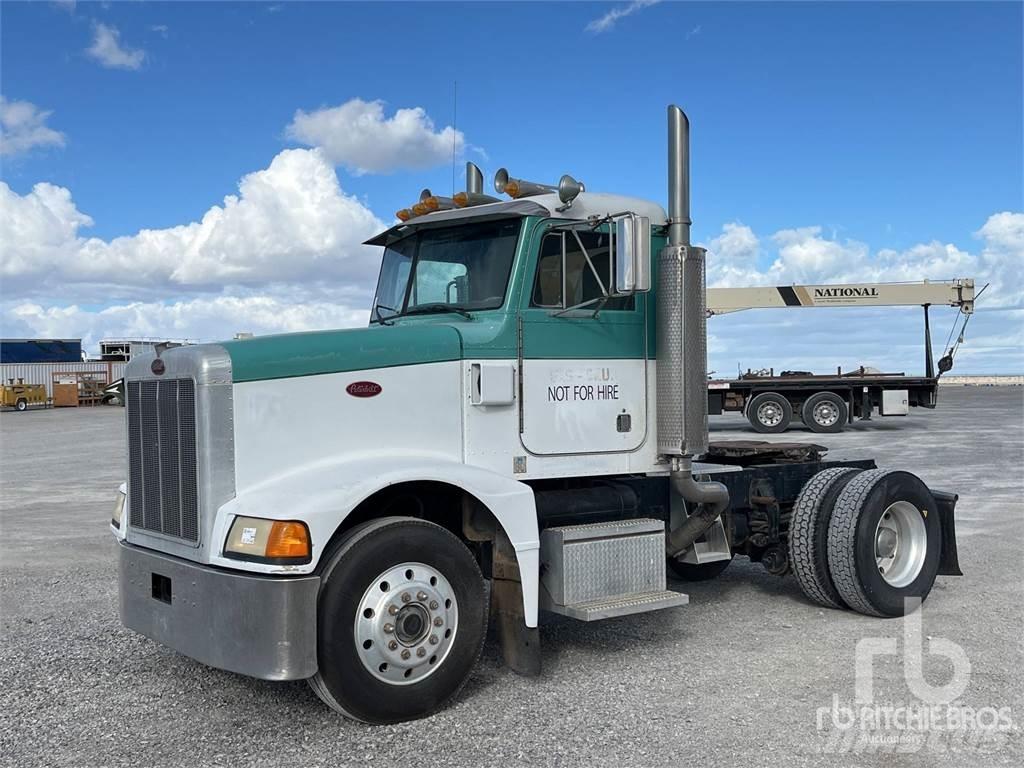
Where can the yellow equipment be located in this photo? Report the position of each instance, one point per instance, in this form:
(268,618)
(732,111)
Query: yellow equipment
(22,395)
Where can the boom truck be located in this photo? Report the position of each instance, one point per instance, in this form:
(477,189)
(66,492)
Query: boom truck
(827,403)
(522,427)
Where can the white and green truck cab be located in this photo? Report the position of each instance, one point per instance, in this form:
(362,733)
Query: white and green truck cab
(521,428)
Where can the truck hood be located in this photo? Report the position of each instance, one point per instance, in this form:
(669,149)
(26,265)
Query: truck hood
(355,349)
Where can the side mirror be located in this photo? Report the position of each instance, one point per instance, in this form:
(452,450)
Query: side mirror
(632,254)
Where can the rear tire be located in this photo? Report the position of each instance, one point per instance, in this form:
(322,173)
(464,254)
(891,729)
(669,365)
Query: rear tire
(884,542)
(769,413)
(697,571)
(22,404)
(402,621)
(808,535)
(825,412)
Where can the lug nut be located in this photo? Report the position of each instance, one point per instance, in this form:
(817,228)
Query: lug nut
(438,621)
(421,652)
(389,628)
(433,639)
(392,609)
(406,597)
(421,595)
(393,645)
(406,654)
(433,605)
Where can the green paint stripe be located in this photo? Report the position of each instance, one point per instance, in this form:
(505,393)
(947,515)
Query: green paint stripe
(323,352)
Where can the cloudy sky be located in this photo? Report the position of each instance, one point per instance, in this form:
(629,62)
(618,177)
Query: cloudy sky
(187,170)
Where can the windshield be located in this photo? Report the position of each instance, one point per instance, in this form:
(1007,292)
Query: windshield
(465,267)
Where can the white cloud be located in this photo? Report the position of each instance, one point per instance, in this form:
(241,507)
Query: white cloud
(358,136)
(160,29)
(805,256)
(23,127)
(734,254)
(197,319)
(106,49)
(608,21)
(290,222)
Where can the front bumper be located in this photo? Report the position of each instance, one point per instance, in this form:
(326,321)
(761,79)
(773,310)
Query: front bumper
(255,625)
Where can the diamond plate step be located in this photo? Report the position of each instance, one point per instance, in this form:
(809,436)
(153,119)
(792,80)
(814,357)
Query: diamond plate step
(623,605)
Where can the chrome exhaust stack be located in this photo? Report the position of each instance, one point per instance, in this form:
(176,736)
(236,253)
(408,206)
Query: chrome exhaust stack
(474,179)
(682,350)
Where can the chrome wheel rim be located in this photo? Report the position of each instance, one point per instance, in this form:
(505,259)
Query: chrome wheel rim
(406,623)
(769,414)
(901,543)
(825,414)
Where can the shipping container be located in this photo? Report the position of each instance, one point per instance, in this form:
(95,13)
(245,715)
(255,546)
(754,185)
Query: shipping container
(40,350)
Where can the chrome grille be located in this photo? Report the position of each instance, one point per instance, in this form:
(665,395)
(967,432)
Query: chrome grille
(162,481)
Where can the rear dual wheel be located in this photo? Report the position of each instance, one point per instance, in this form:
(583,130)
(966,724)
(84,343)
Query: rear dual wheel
(865,540)
(402,621)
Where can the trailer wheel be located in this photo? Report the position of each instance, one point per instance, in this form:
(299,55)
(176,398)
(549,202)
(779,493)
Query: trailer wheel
(825,412)
(808,535)
(402,621)
(769,412)
(697,571)
(884,542)
(22,404)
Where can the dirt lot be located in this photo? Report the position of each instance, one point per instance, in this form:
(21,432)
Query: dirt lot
(737,677)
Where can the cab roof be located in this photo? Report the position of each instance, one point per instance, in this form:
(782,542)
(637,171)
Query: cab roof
(585,206)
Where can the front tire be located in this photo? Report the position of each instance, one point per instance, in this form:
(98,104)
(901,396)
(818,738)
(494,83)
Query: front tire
(769,413)
(402,621)
(884,542)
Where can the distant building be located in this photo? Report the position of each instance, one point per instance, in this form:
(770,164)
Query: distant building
(40,350)
(123,350)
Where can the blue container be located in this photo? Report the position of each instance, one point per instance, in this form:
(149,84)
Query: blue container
(40,350)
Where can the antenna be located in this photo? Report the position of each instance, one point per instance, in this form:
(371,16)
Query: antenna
(455,123)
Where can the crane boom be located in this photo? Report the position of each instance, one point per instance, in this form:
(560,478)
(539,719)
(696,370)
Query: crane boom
(953,293)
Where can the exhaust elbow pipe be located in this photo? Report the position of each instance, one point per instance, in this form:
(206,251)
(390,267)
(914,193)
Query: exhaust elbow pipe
(711,499)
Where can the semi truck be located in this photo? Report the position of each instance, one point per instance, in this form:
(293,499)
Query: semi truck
(521,429)
(828,402)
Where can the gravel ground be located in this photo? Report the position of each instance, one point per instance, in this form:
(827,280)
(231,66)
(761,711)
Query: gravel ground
(736,677)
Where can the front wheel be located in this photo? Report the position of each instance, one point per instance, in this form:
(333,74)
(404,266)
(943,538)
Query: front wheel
(402,621)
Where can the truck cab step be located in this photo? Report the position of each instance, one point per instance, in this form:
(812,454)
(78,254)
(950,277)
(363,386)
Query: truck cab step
(622,605)
(601,570)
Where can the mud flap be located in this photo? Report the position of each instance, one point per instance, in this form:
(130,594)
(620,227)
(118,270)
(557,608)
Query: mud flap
(949,564)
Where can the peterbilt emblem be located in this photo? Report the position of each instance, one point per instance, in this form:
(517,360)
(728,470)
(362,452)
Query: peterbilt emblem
(158,367)
(364,389)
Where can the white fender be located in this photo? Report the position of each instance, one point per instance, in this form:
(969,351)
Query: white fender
(323,495)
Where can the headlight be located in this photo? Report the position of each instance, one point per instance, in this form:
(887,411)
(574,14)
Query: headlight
(115,520)
(282,542)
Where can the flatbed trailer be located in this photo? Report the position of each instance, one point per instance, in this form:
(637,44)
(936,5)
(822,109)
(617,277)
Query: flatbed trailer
(826,403)
(823,403)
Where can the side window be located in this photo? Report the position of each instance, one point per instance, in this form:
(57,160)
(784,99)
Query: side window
(569,275)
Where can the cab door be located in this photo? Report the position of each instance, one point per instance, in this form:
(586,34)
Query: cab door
(584,372)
